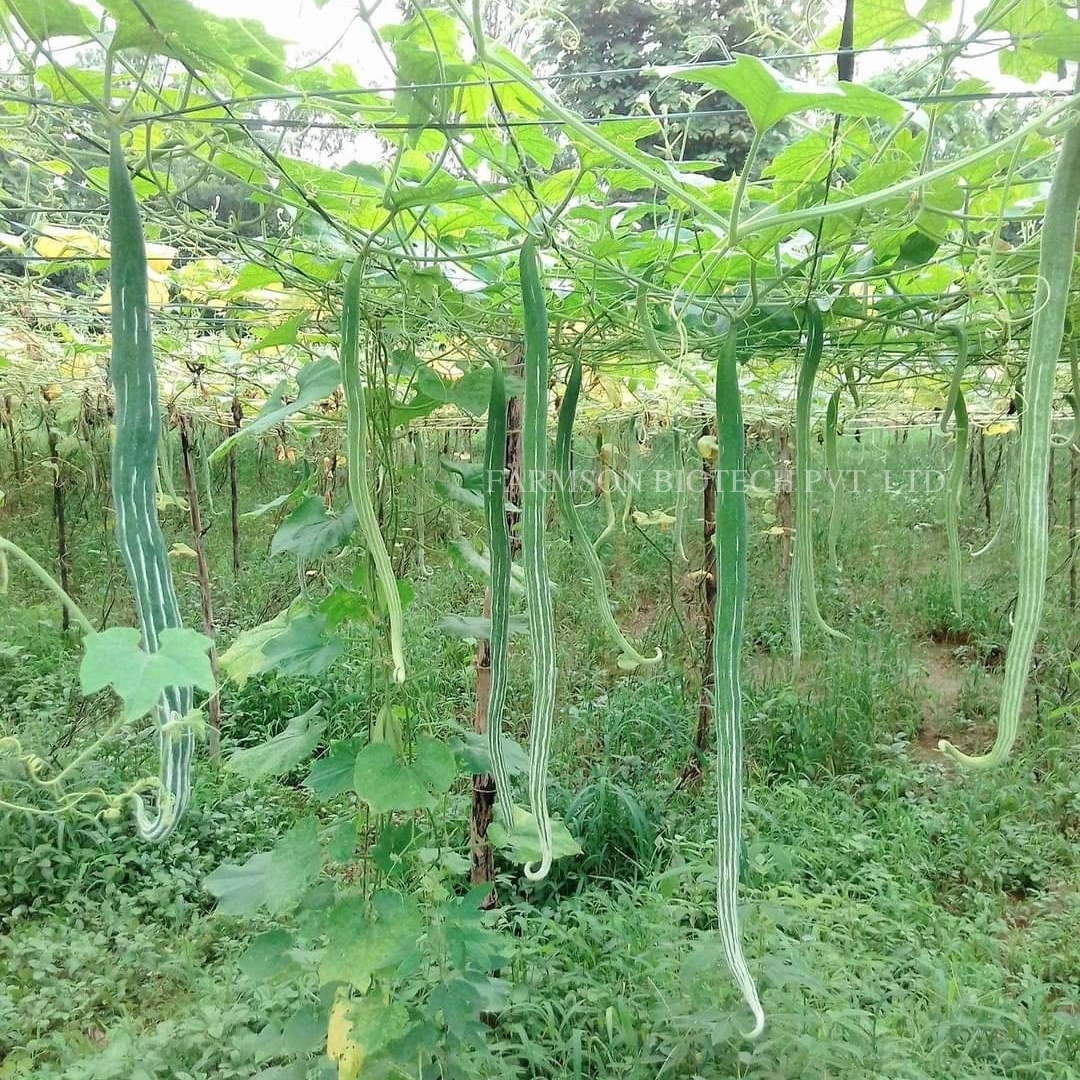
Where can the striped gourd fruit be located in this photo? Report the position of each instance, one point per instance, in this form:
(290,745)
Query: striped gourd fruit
(730,541)
(630,658)
(1056,255)
(957,378)
(802,580)
(499,548)
(534,461)
(134,477)
(954,486)
(352,385)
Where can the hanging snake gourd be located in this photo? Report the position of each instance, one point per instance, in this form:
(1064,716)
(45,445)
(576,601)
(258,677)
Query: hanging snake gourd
(730,540)
(356,435)
(802,580)
(954,486)
(499,548)
(630,658)
(134,483)
(957,376)
(537,587)
(1056,256)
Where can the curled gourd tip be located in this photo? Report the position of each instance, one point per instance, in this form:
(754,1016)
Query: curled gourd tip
(533,874)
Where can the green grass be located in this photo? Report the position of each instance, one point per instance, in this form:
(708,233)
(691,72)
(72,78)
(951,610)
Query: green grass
(904,921)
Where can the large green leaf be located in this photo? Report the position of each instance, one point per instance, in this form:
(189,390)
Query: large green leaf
(386,783)
(239,889)
(521,841)
(275,880)
(360,947)
(294,864)
(333,774)
(268,955)
(43,19)
(309,532)
(244,657)
(283,752)
(305,647)
(769,96)
(115,658)
(316,381)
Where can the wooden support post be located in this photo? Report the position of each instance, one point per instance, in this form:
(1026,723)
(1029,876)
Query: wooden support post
(983,476)
(213,708)
(784,511)
(234,500)
(59,516)
(692,771)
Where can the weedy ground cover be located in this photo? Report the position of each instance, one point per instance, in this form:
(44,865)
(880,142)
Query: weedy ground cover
(903,919)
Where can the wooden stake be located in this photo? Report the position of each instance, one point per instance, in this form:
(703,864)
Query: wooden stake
(483,784)
(213,707)
(983,476)
(61,523)
(784,512)
(234,501)
(692,770)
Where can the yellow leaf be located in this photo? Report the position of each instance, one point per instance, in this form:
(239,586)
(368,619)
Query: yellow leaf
(59,242)
(660,519)
(340,1047)
(159,256)
(157,291)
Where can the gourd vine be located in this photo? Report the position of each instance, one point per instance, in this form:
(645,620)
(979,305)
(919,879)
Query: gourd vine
(630,658)
(1056,256)
(533,556)
(604,483)
(730,541)
(356,440)
(134,475)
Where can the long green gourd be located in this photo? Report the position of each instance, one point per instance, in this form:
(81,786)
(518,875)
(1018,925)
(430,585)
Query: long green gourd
(802,583)
(134,484)
(954,486)
(957,376)
(500,559)
(730,541)
(356,436)
(534,457)
(630,658)
(1056,255)
(836,477)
